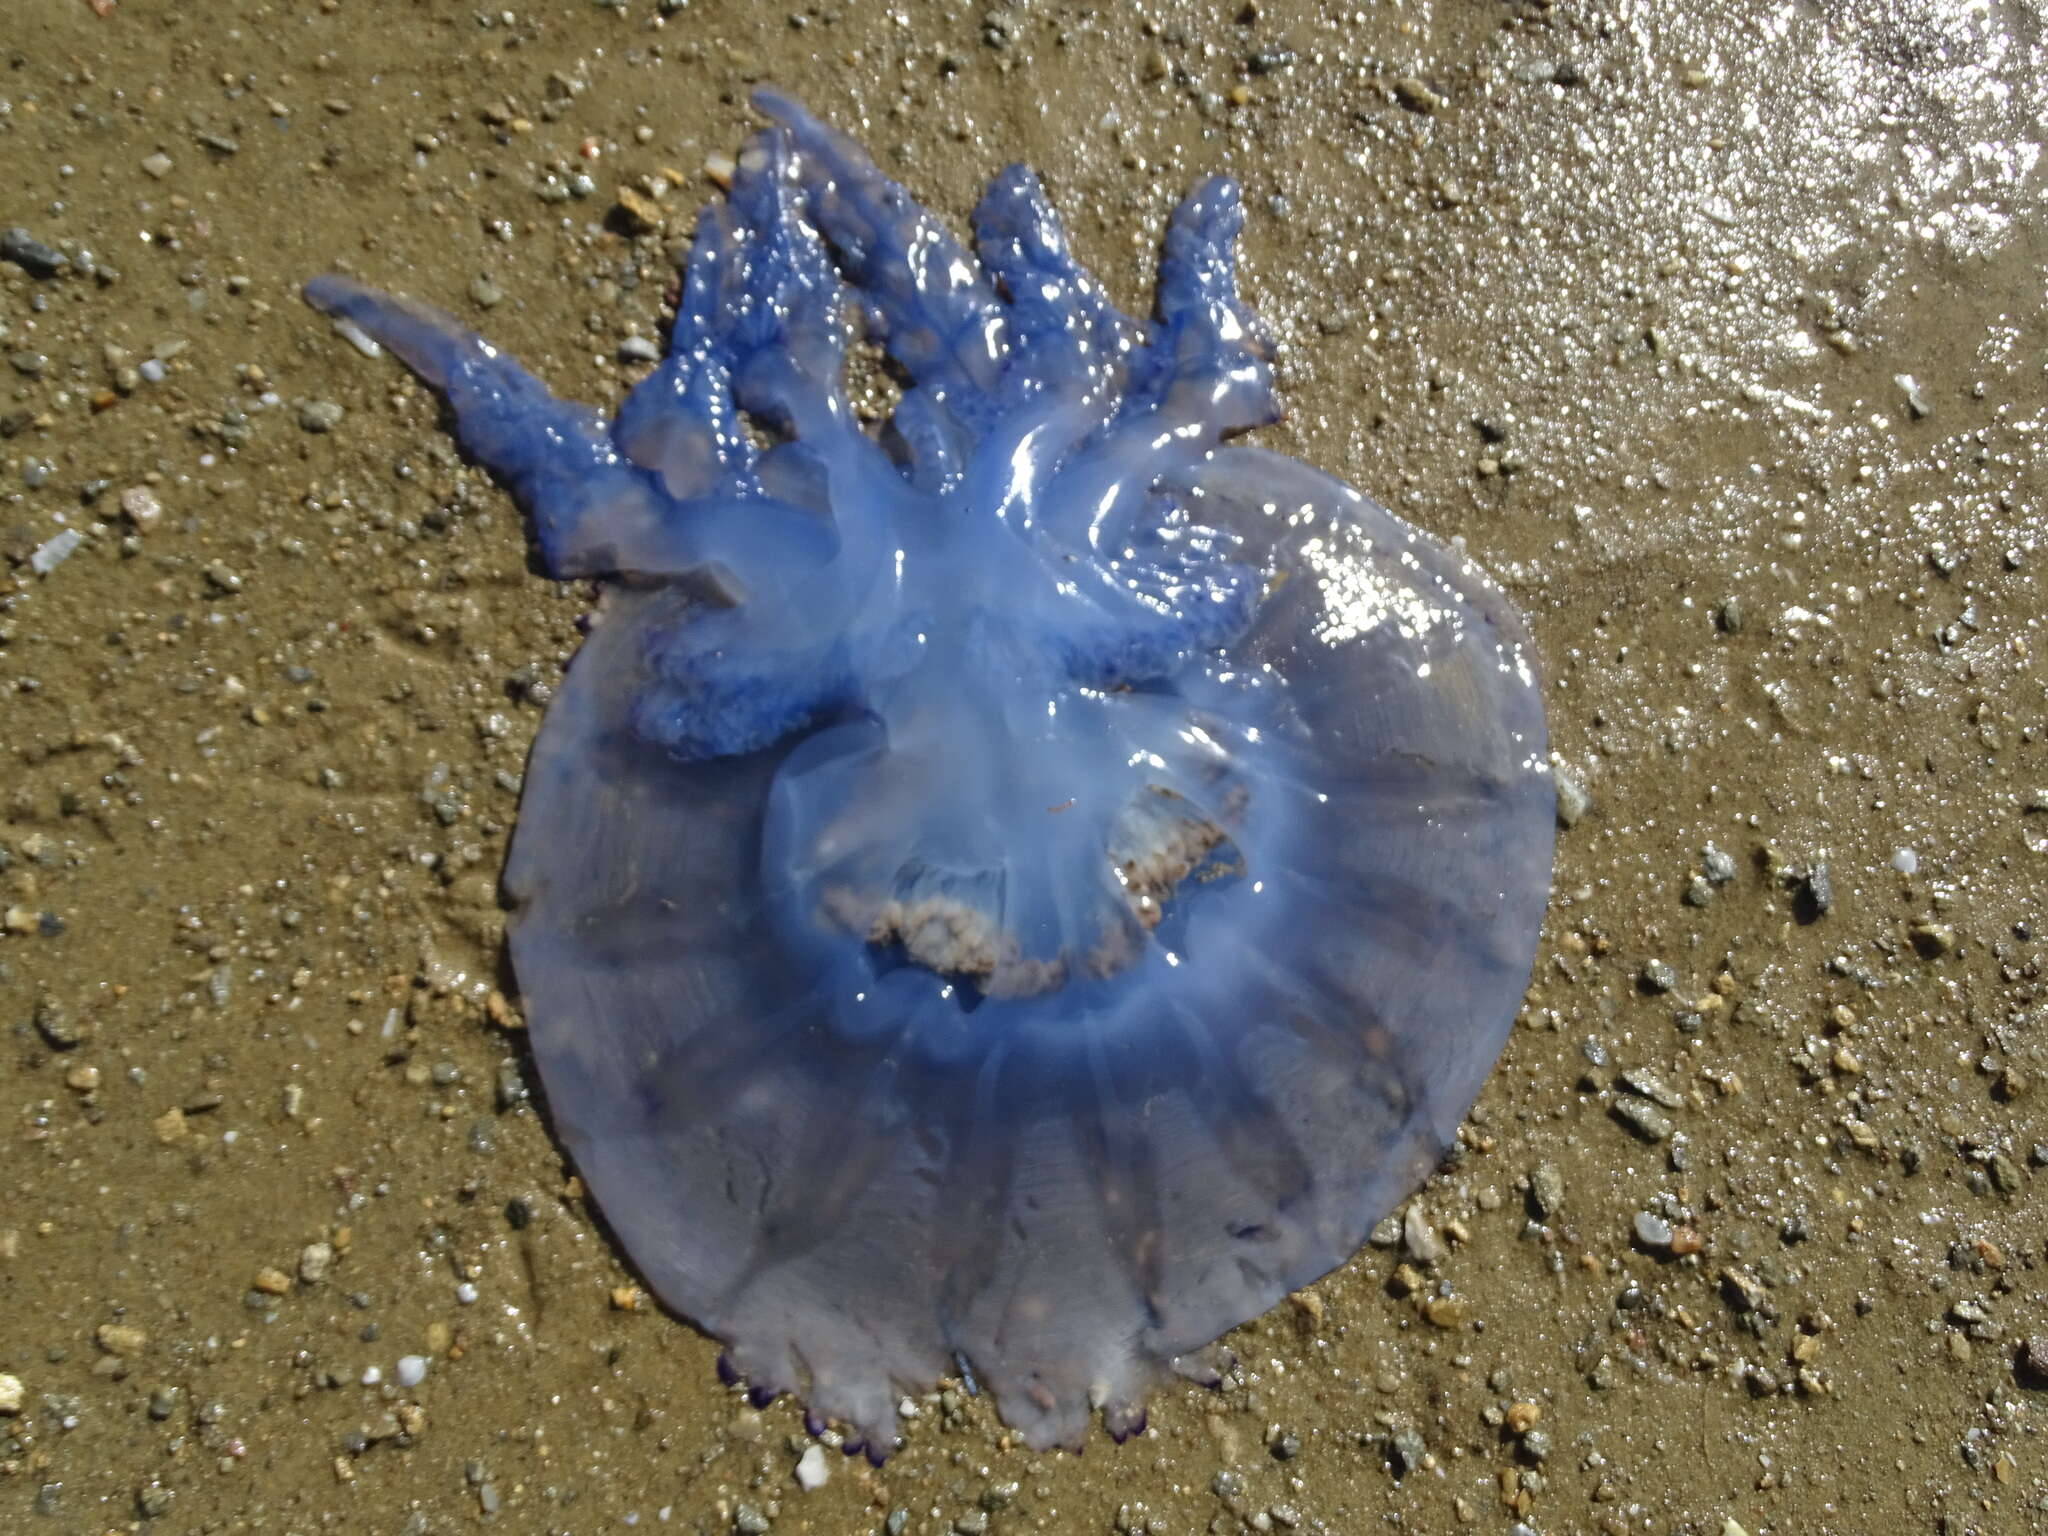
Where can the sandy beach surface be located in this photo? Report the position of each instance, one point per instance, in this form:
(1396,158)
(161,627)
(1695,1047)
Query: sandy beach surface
(1713,328)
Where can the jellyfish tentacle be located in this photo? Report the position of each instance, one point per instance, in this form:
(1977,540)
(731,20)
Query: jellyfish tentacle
(939,316)
(1208,350)
(1064,332)
(586,499)
(682,421)
(786,333)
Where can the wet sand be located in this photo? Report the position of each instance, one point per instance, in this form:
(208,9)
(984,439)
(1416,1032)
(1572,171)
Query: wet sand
(1715,331)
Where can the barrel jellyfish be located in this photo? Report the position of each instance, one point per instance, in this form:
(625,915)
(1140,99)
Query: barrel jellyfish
(1015,889)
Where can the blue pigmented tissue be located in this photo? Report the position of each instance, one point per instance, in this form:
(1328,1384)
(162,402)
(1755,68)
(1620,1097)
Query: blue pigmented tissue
(1020,890)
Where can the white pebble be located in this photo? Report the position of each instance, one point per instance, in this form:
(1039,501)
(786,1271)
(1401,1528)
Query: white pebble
(140,506)
(357,337)
(1905,860)
(372,1374)
(54,552)
(412,1370)
(812,1468)
(465,1293)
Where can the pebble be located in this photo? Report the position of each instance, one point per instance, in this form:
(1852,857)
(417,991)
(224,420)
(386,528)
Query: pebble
(1410,1450)
(2033,1363)
(1573,798)
(1646,1120)
(30,254)
(1718,864)
(1546,1188)
(1916,399)
(121,1338)
(1819,890)
(1931,939)
(1416,95)
(55,1024)
(1657,976)
(1640,1080)
(1424,1246)
(1446,1311)
(412,1370)
(140,506)
(316,1261)
(484,293)
(53,552)
(320,415)
(812,1469)
(357,337)
(639,349)
(158,165)
(12,1394)
(1652,1231)
(636,212)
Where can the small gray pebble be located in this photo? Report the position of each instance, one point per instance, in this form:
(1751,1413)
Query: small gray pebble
(1652,1231)
(1820,890)
(320,415)
(30,254)
(1573,798)
(1646,1120)
(1409,1450)
(153,1500)
(55,1024)
(1642,1081)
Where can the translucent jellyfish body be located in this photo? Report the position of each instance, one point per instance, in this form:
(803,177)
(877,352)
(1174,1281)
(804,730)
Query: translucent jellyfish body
(1020,890)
